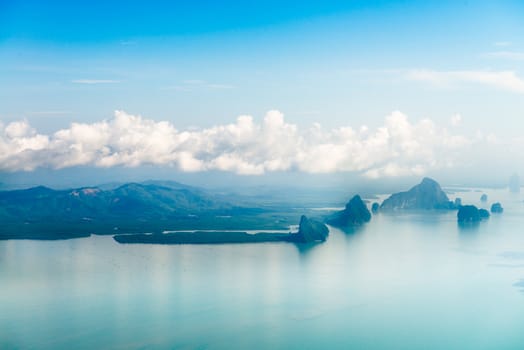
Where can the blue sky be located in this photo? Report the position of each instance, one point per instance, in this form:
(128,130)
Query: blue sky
(317,56)
(202,64)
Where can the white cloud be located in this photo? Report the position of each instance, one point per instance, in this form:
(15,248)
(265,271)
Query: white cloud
(502,43)
(196,84)
(56,112)
(94,81)
(509,55)
(399,147)
(18,129)
(506,80)
(219,86)
(456,120)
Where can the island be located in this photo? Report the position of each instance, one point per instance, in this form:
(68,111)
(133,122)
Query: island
(471,214)
(426,195)
(354,214)
(496,208)
(309,231)
(483,213)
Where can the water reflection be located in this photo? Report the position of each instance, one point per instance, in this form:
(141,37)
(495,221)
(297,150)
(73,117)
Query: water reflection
(468,227)
(305,249)
(352,230)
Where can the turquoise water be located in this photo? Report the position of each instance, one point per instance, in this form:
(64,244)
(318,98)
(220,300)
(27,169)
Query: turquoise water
(410,281)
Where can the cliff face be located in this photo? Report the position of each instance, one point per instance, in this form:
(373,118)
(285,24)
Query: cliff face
(355,214)
(426,195)
(311,230)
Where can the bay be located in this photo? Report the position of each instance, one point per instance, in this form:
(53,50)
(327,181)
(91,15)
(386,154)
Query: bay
(403,281)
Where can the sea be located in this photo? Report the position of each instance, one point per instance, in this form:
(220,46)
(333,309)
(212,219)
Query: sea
(412,280)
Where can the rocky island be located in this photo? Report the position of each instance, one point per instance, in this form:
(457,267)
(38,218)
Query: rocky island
(484,214)
(309,231)
(354,214)
(424,196)
(471,214)
(496,208)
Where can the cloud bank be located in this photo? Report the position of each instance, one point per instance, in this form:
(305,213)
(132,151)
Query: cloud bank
(505,80)
(398,147)
(509,55)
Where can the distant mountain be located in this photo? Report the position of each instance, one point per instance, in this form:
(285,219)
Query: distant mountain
(150,201)
(426,195)
(129,200)
(173,185)
(39,211)
(354,214)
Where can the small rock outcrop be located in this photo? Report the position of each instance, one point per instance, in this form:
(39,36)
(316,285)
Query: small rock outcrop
(496,208)
(311,230)
(356,213)
(484,197)
(426,195)
(484,214)
(458,202)
(374,207)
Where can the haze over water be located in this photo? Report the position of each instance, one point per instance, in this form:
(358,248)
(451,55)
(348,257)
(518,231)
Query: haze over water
(405,281)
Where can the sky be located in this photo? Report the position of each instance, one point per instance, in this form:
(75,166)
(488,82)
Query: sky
(374,89)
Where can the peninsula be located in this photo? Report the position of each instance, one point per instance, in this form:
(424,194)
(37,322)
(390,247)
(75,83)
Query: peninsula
(309,231)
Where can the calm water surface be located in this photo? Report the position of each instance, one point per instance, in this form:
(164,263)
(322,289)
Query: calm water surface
(410,281)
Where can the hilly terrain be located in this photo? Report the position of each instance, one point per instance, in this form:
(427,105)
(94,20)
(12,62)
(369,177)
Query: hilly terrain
(44,213)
